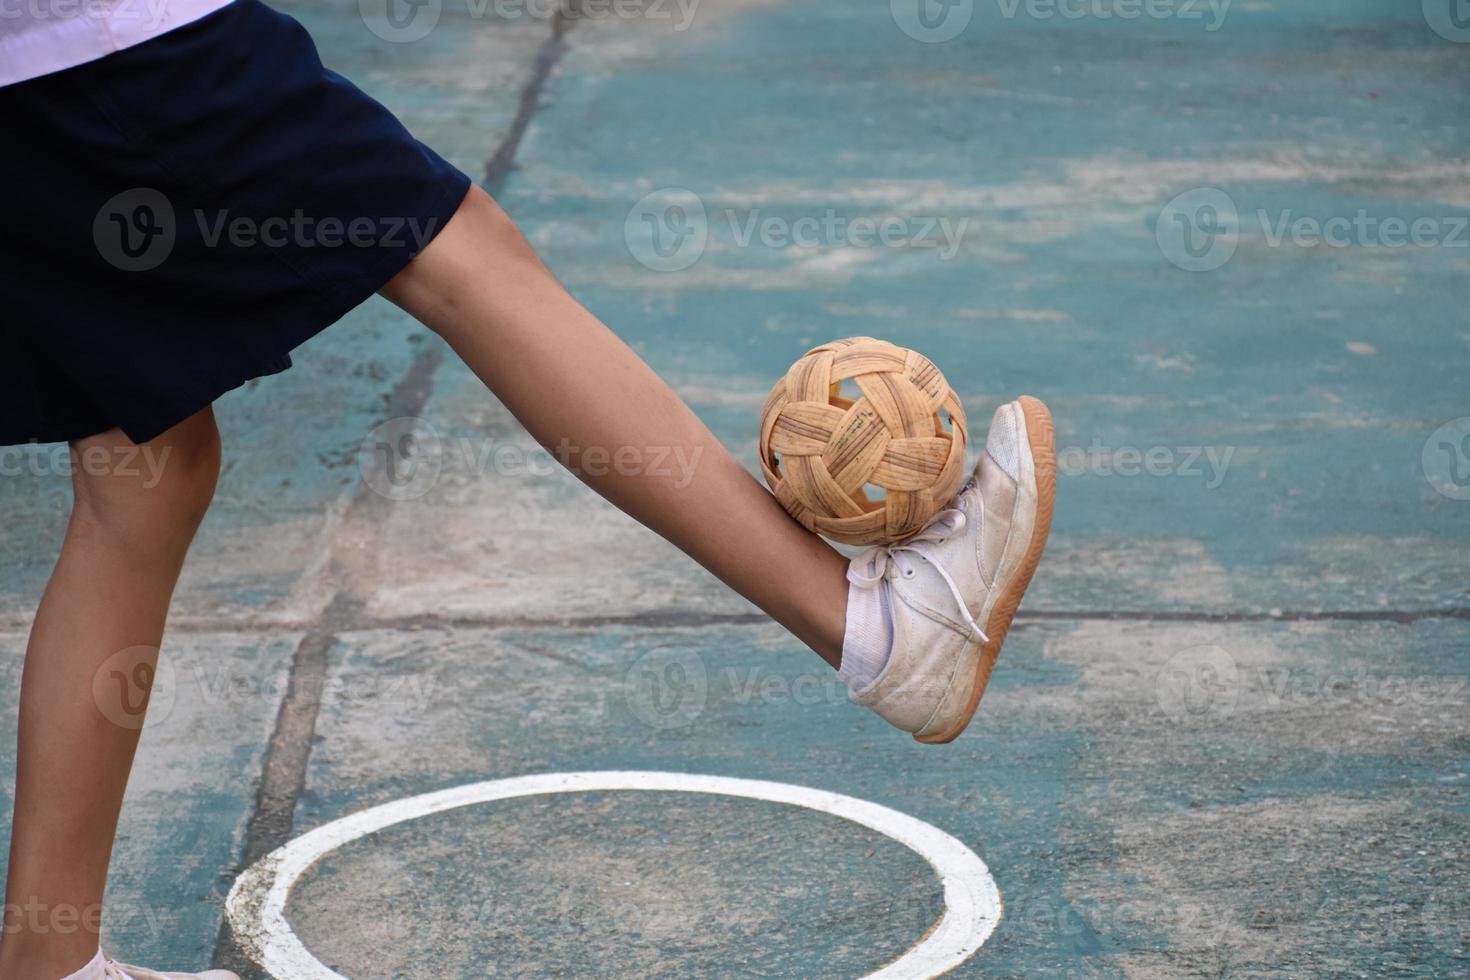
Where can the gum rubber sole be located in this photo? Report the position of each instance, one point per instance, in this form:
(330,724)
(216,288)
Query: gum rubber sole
(1041,435)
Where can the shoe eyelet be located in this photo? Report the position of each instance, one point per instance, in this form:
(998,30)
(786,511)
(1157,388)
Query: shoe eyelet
(908,573)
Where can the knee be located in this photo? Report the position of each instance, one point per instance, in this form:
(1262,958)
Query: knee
(152,493)
(190,472)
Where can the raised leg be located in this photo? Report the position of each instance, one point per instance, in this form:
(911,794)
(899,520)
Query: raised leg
(130,528)
(568,377)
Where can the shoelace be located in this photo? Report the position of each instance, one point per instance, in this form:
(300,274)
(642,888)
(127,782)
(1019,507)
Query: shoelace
(111,971)
(870,567)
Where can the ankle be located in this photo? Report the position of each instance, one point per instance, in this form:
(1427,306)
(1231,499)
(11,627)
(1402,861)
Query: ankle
(819,618)
(24,956)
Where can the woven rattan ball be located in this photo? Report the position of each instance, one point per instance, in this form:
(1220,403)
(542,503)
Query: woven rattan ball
(821,451)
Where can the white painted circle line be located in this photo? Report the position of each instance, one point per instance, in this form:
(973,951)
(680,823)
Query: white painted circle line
(256,906)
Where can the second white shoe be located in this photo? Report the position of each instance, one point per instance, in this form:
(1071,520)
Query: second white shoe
(954,587)
(113,970)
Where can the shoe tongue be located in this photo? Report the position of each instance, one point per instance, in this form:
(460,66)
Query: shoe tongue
(943,525)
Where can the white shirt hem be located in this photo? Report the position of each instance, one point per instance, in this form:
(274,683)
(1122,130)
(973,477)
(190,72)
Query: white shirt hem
(35,47)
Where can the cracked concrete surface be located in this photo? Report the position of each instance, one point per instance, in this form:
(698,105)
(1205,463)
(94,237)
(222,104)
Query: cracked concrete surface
(1258,769)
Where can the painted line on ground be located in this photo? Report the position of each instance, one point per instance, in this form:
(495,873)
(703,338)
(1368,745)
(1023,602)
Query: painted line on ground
(256,905)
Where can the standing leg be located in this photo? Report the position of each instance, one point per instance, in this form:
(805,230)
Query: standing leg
(130,528)
(565,376)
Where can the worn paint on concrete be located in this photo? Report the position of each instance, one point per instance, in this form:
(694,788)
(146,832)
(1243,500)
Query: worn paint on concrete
(1252,791)
(183,821)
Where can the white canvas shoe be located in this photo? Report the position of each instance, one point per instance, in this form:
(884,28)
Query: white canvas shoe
(113,970)
(954,587)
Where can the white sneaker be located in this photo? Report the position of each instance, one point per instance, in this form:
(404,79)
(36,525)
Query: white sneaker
(954,587)
(113,970)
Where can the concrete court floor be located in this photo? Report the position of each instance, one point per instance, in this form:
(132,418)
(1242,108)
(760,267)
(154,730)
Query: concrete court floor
(1229,736)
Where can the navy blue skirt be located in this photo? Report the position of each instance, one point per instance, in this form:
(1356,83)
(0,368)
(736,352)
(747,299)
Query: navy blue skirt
(183,213)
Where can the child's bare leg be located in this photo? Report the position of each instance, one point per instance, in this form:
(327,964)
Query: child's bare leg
(110,591)
(566,376)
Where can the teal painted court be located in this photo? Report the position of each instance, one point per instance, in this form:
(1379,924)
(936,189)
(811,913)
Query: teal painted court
(1225,241)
